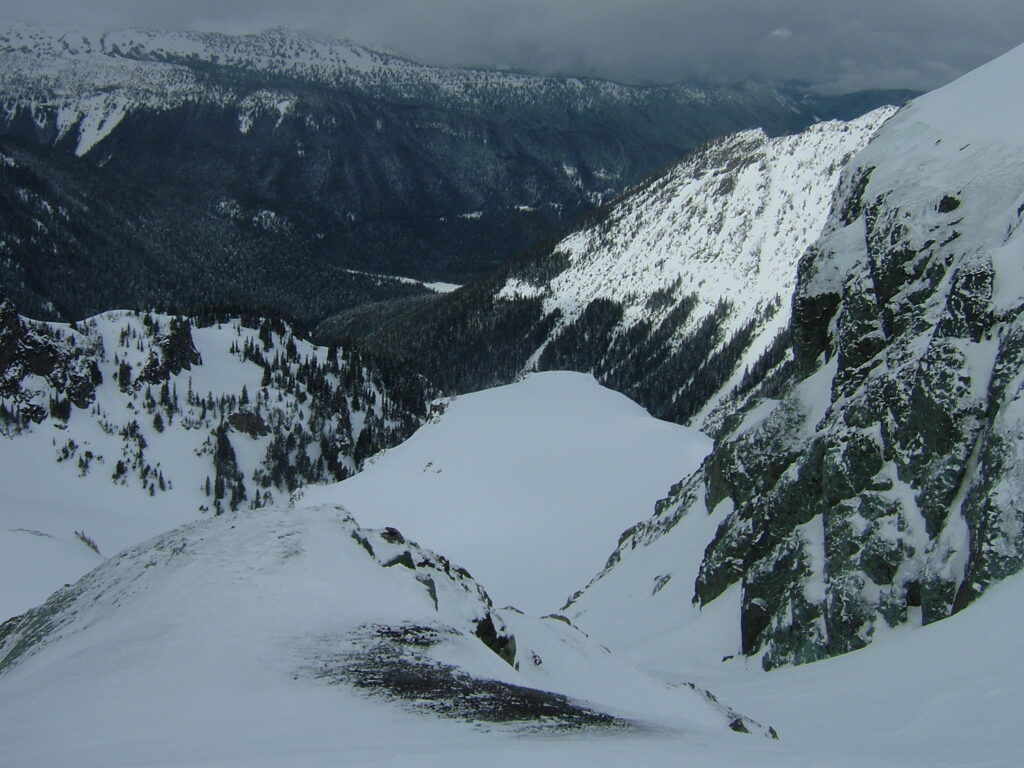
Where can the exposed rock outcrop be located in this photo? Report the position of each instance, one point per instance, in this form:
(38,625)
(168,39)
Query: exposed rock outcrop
(887,485)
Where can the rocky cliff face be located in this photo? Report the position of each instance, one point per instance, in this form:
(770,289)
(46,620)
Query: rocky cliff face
(887,484)
(324,155)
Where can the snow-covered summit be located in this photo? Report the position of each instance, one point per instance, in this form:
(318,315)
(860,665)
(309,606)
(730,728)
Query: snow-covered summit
(529,485)
(946,132)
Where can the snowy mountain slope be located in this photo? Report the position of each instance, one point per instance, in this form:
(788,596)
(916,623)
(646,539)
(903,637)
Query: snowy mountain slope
(884,487)
(128,424)
(737,214)
(677,294)
(328,155)
(284,636)
(528,486)
(725,227)
(945,694)
(295,635)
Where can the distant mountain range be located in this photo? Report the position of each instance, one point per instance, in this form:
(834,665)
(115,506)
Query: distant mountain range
(256,170)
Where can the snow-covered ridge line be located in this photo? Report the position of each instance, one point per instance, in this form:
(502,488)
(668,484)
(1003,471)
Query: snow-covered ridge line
(452,586)
(303,621)
(721,232)
(96,76)
(294,54)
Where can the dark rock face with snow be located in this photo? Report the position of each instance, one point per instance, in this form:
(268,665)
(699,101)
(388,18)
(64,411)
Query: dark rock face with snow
(27,353)
(886,485)
(173,352)
(284,151)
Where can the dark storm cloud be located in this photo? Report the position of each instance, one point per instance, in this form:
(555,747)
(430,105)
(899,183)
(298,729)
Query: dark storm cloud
(840,44)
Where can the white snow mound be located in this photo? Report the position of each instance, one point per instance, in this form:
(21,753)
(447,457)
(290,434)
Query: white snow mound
(528,486)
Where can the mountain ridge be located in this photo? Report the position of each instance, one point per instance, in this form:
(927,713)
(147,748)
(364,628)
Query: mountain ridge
(675,293)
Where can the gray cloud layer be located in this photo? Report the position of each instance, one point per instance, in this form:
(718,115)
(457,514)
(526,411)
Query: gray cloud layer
(840,44)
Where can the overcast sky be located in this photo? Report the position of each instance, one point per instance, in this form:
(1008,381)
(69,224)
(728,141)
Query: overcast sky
(841,44)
